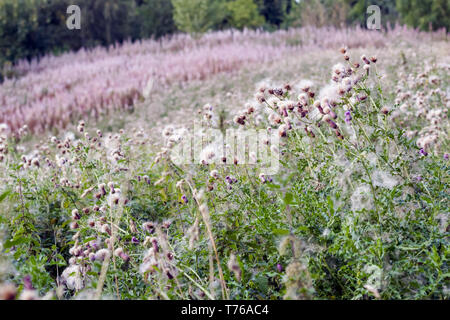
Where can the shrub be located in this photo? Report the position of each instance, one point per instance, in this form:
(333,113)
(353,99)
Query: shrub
(244,13)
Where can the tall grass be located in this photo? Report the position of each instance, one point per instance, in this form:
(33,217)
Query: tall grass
(358,209)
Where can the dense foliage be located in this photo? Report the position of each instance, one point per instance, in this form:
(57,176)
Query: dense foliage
(358,209)
(425,14)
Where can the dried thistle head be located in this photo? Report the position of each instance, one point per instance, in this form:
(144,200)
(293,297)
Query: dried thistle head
(8,291)
(234,267)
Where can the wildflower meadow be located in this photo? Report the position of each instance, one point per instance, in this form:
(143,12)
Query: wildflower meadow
(316,166)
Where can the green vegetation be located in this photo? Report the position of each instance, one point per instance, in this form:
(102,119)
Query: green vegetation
(244,13)
(425,14)
(197,16)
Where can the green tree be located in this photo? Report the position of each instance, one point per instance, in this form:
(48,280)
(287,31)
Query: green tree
(154,18)
(425,13)
(244,13)
(293,18)
(275,11)
(198,16)
(106,21)
(18,19)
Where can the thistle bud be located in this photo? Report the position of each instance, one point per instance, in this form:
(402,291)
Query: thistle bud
(348,117)
(262,177)
(102,188)
(333,115)
(365,60)
(35,162)
(75,214)
(239,120)
(214,174)
(339,135)
(111,187)
(121,254)
(149,227)
(279,268)
(332,124)
(105,229)
(282,131)
(260,98)
(155,245)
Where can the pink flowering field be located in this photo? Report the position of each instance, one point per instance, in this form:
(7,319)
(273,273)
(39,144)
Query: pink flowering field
(56,91)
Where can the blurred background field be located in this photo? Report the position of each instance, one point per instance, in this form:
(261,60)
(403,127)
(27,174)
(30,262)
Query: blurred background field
(93,207)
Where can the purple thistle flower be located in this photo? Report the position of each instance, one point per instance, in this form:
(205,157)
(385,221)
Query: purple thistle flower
(332,124)
(446,156)
(279,267)
(155,244)
(348,117)
(230,180)
(134,240)
(423,152)
(333,114)
(320,109)
(27,283)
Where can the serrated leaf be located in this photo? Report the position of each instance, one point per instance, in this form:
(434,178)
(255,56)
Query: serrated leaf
(11,243)
(288,198)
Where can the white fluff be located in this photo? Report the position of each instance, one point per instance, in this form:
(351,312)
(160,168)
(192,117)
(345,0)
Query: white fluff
(72,277)
(383,179)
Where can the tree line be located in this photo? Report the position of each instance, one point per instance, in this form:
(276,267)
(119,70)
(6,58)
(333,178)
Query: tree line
(31,28)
